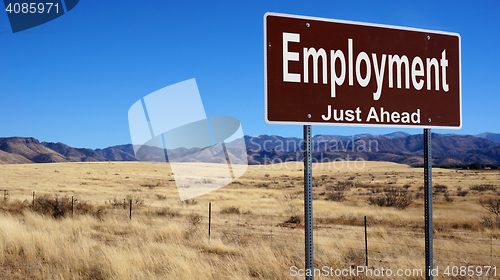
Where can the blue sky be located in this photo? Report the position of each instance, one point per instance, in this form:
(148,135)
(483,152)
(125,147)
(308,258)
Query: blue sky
(73,79)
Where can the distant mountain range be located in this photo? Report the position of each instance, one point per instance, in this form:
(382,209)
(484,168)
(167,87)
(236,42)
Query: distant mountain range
(400,147)
(396,147)
(495,137)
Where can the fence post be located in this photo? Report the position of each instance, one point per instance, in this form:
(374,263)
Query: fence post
(33,204)
(366,245)
(72,204)
(4,194)
(131,209)
(209,218)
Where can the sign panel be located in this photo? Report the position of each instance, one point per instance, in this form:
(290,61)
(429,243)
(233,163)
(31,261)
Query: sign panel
(331,72)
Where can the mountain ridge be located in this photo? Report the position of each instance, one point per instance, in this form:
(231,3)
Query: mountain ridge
(397,147)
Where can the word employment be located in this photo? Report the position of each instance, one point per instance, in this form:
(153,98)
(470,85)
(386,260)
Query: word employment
(421,71)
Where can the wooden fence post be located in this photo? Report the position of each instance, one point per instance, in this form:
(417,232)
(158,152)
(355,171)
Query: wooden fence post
(209,218)
(366,245)
(131,209)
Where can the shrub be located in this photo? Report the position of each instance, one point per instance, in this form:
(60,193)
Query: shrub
(447,197)
(475,166)
(440,188)
(230,210)
(483,187)
(125,203)
(167,212)
(194,220)
(264,185)
(462,193)
(349,220)
(392,197)
(137,201)
(338,196)
(342,186)
(82,207)
(14,206)
(60,207)
(99,214)
(295,219)
(490,222)
(345,185)
(115,203)
(190,201)
(51,206)
(492,205)
(161,196)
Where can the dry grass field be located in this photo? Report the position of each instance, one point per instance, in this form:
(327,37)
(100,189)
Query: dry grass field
(256,230)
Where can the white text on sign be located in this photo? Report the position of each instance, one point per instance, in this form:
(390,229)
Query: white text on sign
(420,75)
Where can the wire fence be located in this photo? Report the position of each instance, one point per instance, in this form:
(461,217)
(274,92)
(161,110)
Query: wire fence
(372,243)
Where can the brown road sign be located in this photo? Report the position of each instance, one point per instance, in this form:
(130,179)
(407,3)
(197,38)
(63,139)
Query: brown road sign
(331,72)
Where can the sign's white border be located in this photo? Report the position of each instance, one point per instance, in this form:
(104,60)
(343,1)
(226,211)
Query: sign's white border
(364,24)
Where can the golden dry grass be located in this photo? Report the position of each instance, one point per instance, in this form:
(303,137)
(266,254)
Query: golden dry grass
(164,241)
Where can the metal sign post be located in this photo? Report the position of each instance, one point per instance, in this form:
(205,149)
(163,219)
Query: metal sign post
(428,203)
(308,207)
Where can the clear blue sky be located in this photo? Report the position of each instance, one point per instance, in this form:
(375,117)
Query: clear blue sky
(73,79)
